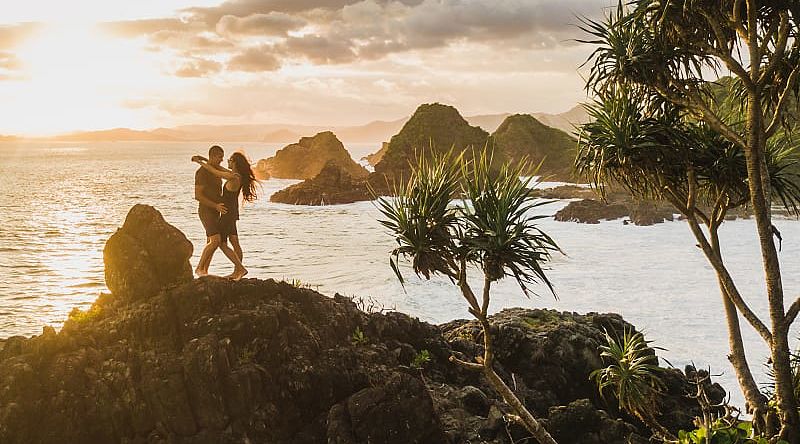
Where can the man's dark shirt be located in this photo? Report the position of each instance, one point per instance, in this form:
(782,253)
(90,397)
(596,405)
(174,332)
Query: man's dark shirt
(212,185)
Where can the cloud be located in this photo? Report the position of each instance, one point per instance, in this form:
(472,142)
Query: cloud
(13,35)
(198,67)
(327,32)
(274,23)
(256,59)
(9,61)
(147,27)
(190,42)
(319,50)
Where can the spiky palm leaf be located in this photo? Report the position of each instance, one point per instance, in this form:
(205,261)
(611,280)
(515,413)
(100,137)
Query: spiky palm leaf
(633,374)
(421,217)
(500,233)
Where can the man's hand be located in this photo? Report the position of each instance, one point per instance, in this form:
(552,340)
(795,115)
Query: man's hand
(221,208)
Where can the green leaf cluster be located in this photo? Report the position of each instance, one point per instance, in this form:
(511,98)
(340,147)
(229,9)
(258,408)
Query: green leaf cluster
(633,374)
(492,227)
(723,433)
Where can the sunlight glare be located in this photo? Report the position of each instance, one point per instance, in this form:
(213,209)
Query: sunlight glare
(75,77)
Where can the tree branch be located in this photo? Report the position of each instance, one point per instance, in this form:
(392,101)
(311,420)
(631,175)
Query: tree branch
(465,364)
(776,117)
(780,49)
(701,110)
(791,314)
(730,62)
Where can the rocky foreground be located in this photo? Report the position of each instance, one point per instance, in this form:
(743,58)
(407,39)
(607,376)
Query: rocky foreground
(215,361)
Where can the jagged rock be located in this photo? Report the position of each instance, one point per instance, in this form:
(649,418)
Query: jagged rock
(146,255)
(333,185)
(580,421)
(522,136)
(590,211)
(399,411)
(306,158)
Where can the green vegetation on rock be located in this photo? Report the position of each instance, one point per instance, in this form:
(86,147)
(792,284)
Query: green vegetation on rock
(521,135)
(433,128)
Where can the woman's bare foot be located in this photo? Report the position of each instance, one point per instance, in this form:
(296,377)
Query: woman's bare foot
(200,273)
(238,274)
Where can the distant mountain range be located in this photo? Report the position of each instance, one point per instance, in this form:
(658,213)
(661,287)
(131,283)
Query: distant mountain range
(373,132)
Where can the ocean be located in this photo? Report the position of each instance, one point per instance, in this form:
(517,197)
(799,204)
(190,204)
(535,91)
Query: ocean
(60,202)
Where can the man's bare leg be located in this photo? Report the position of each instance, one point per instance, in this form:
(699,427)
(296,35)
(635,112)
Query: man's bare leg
(208,252)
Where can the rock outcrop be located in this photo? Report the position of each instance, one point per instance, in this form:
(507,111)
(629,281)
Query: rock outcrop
(591,211)
(432,127)
(146,255)
(333,185)
(522,136)
(214,360)
(306,158)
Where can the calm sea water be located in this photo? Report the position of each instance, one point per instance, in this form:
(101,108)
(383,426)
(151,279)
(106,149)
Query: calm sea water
(59,203)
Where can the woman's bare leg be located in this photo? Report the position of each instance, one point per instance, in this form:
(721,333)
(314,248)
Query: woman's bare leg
(239,271)
(236,247)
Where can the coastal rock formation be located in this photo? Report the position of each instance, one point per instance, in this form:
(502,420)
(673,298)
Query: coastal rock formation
(432,127)
(591,211)
(146,255)
(333,185)
(522,136)
(306,158)
(214,360)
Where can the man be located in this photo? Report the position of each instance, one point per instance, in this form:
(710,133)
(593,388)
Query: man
(208,192)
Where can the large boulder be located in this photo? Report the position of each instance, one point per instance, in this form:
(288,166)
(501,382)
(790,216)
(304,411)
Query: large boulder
(333,185)
(306,158)
(146,255)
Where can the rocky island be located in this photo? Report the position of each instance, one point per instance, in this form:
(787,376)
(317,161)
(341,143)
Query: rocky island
(306,159)
(168,358)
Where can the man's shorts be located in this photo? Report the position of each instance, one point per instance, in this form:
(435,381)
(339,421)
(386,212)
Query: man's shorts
(210,219)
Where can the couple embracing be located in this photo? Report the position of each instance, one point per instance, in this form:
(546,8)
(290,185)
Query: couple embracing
(219,205)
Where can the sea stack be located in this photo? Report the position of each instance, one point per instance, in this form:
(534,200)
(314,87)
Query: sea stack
(306,158)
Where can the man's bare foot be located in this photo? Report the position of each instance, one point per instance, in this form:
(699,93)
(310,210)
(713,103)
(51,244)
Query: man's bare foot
(238,274)
(200,273)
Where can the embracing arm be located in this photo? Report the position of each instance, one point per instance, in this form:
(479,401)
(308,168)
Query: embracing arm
(218,171)
(206,202)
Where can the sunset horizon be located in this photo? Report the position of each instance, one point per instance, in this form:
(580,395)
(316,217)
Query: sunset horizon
(332,63)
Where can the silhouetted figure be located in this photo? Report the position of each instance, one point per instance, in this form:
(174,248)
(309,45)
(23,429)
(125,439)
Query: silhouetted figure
(208,192)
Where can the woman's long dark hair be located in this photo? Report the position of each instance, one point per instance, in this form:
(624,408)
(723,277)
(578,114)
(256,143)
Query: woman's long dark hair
(249,182)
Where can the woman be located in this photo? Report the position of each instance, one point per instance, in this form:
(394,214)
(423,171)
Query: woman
(238,177)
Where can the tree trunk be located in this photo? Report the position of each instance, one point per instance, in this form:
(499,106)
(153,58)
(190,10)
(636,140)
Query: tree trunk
(784,390)
(755,400)
(528,421)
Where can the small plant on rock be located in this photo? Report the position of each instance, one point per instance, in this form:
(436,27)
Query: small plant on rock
(634,377)
(421,359)
(358,337)
(492,230)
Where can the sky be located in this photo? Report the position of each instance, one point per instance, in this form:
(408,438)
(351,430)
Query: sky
(99,64)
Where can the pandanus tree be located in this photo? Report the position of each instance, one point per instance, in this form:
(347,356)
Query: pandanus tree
(492,231)
(656,72)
